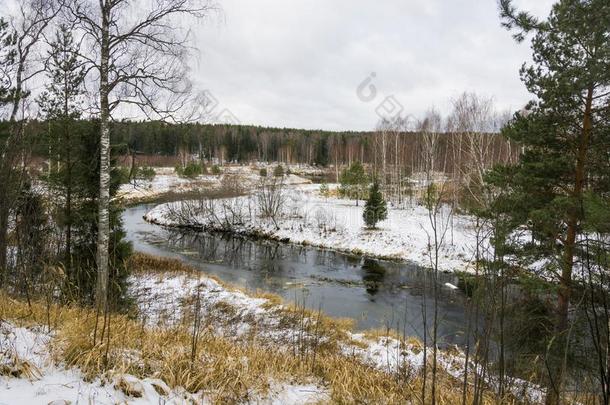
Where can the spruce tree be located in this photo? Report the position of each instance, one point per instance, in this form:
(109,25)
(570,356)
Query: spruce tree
(61,104)
(72,175)
(565,138)
(375,209)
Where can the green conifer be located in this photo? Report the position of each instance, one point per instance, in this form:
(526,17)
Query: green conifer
(375,209)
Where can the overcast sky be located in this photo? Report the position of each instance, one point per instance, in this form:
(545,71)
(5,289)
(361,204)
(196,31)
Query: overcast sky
(298,63)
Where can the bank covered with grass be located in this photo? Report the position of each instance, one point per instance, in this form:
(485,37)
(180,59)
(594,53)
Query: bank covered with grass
(191,338)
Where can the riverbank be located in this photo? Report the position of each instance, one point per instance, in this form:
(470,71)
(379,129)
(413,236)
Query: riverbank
(193,339)
(331,223)
(167,183)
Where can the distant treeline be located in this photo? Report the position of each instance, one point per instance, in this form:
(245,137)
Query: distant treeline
(243,144)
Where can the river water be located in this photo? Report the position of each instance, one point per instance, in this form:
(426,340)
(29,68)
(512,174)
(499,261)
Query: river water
(376,294)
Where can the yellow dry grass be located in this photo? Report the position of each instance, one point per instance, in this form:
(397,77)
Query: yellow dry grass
(225,371)
(144,264)
(140,263)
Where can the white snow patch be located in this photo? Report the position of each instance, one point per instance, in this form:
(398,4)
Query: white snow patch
(161,299)
(294,394)
(56,383)
(387,354)
(164,299)
(167,181)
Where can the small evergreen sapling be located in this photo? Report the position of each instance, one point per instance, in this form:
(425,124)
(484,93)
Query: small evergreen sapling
(353,181)
(375,209)
(216,170)
(278,171)
(324,190)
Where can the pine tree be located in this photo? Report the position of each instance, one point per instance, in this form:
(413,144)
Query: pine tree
(72,176)
(353,181)
(375,209)
(565,138)
(60,102)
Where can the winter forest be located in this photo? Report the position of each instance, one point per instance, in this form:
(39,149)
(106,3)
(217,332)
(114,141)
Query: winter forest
(201,205)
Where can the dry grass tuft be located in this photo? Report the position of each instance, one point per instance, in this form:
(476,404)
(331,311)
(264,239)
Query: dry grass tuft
(224,371)
(144,264)
(273,300)
(13,366)
(141,263)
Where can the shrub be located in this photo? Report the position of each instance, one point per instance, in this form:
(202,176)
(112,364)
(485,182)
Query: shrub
(191,170)
(122,174)
(263,172)
(145,173)
(216,170)
(278,171)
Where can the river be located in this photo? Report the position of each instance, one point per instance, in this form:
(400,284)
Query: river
(375,293)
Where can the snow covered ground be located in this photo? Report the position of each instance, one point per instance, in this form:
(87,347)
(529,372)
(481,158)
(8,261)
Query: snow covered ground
(30,376)
(333,223)
(167,181)
(156,292)
(161,184)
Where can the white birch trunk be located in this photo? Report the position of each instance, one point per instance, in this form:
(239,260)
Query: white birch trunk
(103,234)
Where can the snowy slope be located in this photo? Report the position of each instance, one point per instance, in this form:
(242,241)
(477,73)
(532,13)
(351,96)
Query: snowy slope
(36,380)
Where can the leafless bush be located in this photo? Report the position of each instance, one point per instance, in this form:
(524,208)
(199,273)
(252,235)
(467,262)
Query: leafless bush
(294,204)
(232,183)
(211,214)
(271,198)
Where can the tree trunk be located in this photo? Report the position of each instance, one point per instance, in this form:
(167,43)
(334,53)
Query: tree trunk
(103,234)
(565,282)
(3,245)
(68,211)
(8,158)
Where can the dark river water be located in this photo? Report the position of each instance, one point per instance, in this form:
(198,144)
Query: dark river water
(376,294)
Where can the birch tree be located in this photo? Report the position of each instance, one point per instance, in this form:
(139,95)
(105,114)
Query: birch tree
(137,55)
(473,121)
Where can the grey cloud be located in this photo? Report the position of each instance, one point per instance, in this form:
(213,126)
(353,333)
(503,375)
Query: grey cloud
(297,63)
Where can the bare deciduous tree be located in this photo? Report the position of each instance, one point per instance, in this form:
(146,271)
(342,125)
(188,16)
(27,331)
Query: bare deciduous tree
(137,53)
(473,123)
(20,39)
(439,216)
